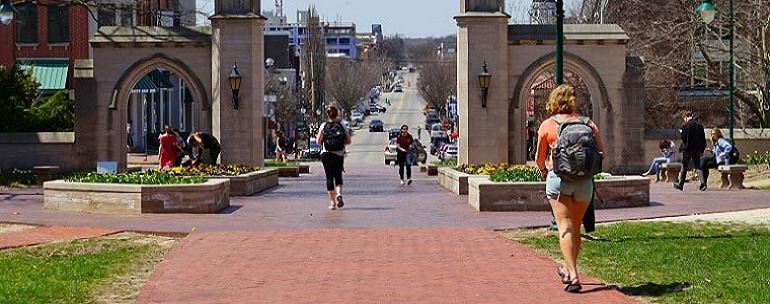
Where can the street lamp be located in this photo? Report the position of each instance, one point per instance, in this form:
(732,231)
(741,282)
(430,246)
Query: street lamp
(708,11)
(6,12)
(234,80)
(484,79)
(559,60)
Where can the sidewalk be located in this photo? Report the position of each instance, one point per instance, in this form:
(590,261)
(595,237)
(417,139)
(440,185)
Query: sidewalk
(390,244)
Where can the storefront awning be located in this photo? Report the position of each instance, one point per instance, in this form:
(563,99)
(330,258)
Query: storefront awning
(161,79)
(144,85)
(51,74)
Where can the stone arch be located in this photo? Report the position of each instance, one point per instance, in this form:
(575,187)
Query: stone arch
(517,116)
(141,67)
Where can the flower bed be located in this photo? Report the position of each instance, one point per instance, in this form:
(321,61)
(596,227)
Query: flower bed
(455,179)
(244,180)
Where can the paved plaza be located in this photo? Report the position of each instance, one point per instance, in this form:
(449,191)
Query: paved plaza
(390,244)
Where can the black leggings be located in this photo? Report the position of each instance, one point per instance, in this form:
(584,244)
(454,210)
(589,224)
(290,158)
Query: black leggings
(401,161)
(333,169)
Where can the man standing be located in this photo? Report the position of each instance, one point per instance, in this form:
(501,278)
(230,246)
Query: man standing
(693,144)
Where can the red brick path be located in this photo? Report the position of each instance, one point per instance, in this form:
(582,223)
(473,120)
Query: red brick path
(361,266)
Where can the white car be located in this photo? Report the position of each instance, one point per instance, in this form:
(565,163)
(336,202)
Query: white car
(449,152)
(356,116)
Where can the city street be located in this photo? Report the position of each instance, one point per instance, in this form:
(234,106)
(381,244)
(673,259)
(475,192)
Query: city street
(406,108)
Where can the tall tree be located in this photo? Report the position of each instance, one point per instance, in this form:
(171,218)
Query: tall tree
(438,79)
(313,61)
(681,51)
(348,82)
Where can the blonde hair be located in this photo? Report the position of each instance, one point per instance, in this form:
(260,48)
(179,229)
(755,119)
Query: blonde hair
(718,133)
(332,112)
(562,100)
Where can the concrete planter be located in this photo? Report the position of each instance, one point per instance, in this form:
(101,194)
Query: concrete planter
(614,192)
(290,171)
(455,181)
(304,169)
(209,197)
(251,183)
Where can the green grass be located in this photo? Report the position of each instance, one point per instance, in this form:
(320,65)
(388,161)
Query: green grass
(63,272)
(445,163)
(273,163)
(674,262)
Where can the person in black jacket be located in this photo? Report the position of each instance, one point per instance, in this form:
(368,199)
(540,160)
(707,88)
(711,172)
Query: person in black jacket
(692,147)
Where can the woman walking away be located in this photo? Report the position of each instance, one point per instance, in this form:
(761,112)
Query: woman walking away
(333,138)
(568,198)
(668,149)
(720,155)
(404,143)
(169,148)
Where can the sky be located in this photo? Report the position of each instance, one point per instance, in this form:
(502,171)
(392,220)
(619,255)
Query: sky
(409,18)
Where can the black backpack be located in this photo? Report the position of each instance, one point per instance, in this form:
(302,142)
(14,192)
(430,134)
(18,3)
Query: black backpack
(734,156)
(575,156)
(334,136)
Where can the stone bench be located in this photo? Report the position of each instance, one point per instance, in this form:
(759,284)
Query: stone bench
(670,172)
(45,173)
(732,176)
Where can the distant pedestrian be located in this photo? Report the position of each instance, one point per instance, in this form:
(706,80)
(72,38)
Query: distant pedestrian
(569,199)
(130,135)
(280,146)
(692,147)
(419,132)
(404,142)
(202,142)
(169,148)
(333,137)
(182,148)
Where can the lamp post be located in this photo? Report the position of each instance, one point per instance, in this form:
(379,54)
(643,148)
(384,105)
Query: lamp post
(6,12)
(234,80)
(484,79)
(559,60)
(708,11)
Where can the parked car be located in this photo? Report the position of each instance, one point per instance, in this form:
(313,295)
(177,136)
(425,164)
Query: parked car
(398,88)
(312,152)
(393,132)
(448,152)
(391,151)
(356,116)
(380,108)
(376,125)
(436,143)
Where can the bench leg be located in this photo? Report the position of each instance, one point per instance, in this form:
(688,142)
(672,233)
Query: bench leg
(736,180)
(671,175)
(725,180)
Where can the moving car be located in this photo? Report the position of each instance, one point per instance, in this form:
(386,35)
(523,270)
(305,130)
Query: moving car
(398,88)
(376,125)
(391,151)
(356,116)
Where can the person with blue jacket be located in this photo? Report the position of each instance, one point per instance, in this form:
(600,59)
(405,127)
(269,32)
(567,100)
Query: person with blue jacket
(720,155)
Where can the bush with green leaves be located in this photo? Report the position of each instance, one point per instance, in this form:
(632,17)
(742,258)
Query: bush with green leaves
(22,112)
(140,178)
(757,158)
(17,177)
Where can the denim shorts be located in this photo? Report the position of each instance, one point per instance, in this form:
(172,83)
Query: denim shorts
(580,191)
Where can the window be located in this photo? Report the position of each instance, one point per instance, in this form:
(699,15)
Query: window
(106,15)
(345,41)
(127,15)
(58,24)
(331,41)
(26,29)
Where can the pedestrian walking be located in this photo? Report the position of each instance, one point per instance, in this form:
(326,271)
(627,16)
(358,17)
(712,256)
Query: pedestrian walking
(169,148)
(404,142)
(419,132)
(333,137)
(693,144)
(569,199)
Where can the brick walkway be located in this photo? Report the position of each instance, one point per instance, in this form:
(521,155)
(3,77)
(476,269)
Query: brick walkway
(390,244)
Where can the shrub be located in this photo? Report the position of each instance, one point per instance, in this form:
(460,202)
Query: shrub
(17,177)
(215,170)
(757,158)
(140,178)
(518,173)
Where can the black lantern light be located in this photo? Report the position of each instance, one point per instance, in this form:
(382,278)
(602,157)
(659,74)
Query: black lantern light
(484,78)
(234,80)
(6,12)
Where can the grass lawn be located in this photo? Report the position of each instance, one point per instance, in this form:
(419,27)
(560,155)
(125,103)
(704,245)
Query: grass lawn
(105,269)
(663,262)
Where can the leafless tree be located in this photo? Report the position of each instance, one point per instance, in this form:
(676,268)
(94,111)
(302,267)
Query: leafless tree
(313,61)
(680,51)
(349,81)
(438,79)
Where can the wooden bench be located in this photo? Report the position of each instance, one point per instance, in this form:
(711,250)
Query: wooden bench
(670,171)
(732,176)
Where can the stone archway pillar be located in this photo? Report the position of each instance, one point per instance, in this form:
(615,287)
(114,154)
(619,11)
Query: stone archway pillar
(482,36)
(238,38)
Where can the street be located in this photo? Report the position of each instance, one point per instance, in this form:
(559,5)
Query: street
(406,108)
